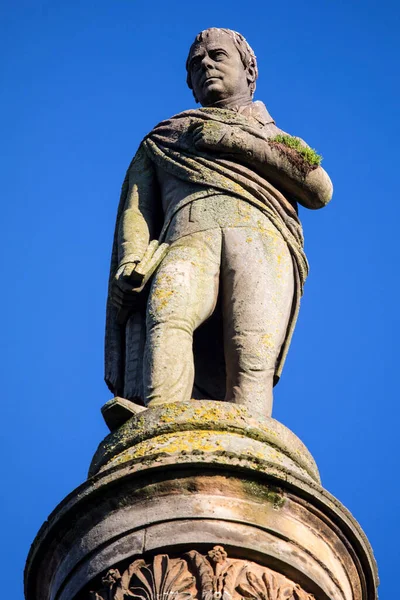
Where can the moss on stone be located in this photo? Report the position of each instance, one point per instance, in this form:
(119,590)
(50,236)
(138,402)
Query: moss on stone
(309,154)
(264,493)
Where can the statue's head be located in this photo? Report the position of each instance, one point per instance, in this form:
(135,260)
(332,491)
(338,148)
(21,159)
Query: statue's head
(221,65)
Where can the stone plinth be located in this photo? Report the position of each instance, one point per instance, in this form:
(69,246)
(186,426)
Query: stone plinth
(199,498)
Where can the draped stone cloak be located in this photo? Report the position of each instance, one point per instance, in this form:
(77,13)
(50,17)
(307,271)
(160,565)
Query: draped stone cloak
(169,147)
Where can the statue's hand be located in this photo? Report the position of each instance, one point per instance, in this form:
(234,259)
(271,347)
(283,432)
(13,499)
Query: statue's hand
(124,287)
(210,135)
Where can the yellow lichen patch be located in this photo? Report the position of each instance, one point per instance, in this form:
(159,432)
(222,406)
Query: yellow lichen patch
(182,443)
(267,340)
(171,412)
(209,414)
(161,296)
(206,443)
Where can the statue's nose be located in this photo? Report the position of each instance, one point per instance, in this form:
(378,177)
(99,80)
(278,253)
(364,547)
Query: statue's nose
(207,63)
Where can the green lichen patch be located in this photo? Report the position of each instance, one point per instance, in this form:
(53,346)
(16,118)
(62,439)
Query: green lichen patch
(264,493)
(309,154)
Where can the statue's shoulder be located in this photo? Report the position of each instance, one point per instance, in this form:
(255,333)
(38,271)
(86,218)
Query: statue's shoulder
(258,111)
(177,119)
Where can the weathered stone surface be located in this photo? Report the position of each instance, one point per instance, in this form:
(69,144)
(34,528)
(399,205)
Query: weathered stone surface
(209,208)
(219,432)
(192,493)
(118,411)
(195,576)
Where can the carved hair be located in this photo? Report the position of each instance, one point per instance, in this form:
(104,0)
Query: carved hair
(245,51)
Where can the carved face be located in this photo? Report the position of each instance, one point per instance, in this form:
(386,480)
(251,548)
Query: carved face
(217,71)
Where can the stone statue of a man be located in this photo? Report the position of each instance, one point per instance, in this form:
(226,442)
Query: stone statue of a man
(219,190)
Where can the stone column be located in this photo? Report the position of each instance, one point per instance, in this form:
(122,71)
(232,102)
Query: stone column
(201,500)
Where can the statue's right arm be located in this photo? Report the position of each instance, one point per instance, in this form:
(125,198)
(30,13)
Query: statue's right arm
(136,224)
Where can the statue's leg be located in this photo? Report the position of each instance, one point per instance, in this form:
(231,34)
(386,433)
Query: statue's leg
(182,296)
(257,293)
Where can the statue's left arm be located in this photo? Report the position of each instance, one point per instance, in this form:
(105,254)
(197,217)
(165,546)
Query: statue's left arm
(312,189)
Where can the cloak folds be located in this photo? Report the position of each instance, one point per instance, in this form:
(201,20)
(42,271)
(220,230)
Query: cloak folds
(169,147)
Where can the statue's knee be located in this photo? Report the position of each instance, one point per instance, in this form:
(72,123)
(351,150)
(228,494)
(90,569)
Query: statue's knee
(171,325)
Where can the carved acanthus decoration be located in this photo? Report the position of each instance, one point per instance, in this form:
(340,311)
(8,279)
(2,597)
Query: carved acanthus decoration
(198,577)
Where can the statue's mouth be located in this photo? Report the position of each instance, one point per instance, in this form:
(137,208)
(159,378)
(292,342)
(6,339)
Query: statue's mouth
(211,78)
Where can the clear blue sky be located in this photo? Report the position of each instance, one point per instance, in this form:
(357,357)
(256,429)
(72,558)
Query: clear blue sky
(82,82)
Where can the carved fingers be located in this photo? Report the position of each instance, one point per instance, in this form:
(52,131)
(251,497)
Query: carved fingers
(122,295)
(125,271)
(210,135)
(124,288)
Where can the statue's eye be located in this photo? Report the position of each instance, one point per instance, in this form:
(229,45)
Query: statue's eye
(195,63)
(219,55)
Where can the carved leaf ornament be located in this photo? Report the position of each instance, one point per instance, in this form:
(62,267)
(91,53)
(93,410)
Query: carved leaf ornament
(198,577)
